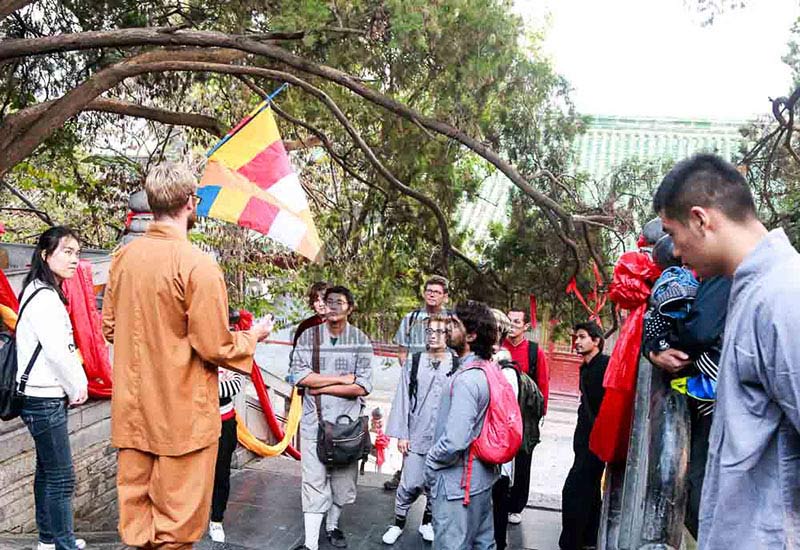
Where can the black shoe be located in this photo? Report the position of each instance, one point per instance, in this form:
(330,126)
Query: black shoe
(336,538)
(392,484)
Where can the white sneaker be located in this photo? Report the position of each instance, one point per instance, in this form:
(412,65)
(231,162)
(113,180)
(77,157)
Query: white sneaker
(216,532)
(80,543)
(426,530)
(392,534)
(514,519)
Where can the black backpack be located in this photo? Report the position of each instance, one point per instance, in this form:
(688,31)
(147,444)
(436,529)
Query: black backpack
(531,404)
(12,398)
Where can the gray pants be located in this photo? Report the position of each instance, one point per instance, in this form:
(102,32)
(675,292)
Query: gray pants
(459,527)
(325,485)
(412,484)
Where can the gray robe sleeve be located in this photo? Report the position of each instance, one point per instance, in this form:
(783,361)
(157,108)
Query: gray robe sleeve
(398,417)
(469,402)
(780,354)
(363,370)
(300,365)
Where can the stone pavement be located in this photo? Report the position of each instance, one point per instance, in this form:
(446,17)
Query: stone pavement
(264,513)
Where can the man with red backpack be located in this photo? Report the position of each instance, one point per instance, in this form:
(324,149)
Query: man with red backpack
(456,469)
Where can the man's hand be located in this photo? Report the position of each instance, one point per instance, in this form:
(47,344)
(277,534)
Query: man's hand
(80,399)
(263,329)
(670,360)
(402,446)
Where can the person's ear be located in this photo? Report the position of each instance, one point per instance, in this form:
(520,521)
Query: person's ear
(701,218)
(471,337)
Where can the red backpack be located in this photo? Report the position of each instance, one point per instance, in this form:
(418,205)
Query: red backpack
(501,435)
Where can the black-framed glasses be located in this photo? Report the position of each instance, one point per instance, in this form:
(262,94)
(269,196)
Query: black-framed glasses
(431,331)
(196,197)
(336,303)
(434,292)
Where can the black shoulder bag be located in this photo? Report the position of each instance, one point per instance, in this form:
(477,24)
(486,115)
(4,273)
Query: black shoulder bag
(12,397)
(342,442)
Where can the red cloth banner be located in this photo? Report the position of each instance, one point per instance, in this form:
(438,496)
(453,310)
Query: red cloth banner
(86,324)
(534,322)
(634,275)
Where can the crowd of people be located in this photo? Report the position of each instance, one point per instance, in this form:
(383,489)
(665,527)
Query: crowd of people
(720,321)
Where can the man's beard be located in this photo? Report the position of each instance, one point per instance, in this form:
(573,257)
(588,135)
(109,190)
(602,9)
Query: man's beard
(191,220)
(457,347)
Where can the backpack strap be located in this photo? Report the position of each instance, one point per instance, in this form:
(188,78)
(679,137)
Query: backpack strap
(412,381)
(410,326)
(533,359)
(23,381)
(315,367)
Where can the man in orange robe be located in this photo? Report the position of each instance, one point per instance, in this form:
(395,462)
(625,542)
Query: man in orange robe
(166,312)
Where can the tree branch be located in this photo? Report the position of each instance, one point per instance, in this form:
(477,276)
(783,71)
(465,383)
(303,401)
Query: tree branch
(7,7)
(17,143)
(41,214)
(10,49)
(125,108)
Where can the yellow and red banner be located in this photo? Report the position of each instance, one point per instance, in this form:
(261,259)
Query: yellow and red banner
(249,181)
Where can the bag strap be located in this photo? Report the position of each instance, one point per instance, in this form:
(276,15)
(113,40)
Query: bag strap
(413,379)
(533,359)
(315,368)
(409,328)
(23,381)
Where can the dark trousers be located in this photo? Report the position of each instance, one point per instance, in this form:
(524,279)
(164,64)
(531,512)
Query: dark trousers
(522,483)
(581,501)
(222,472)
(54,481)
(698,455)
(501,500)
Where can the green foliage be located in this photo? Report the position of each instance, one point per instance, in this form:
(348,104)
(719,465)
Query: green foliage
(471,63)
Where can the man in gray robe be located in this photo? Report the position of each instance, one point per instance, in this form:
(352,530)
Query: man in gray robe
(413,419)
(751,494)
(461,414)
(344,378)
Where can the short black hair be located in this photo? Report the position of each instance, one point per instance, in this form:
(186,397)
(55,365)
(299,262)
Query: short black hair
(344,291)
(478,319)
(593,330)
(526,315)
(708,181)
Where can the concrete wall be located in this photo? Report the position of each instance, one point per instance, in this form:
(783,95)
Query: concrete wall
(96,461)
(95,470)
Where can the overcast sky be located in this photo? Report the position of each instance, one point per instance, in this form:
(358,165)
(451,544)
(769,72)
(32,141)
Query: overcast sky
(653,58)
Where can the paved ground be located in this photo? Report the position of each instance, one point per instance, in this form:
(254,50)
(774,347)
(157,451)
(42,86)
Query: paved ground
(264,513)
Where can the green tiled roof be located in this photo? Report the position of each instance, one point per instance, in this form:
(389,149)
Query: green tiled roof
(606,143)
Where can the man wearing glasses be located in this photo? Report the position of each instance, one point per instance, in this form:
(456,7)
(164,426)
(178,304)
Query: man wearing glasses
(410,337)
(413,419)
(341,379)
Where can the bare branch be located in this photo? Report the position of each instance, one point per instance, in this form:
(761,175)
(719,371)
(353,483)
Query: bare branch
(18,142)
(490,272)
(10,49)
(7,7)
(38,211)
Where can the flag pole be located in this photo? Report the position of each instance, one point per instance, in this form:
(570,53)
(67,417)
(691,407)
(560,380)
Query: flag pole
(258,108)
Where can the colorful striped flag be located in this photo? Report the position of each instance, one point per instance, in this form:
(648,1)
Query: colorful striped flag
(249,181)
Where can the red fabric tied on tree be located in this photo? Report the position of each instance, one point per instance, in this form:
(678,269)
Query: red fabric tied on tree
(381,443)
(634,275)
(86,324)
(534,322)
(7,296)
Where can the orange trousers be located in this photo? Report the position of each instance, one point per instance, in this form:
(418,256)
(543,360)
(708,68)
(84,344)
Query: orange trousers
(164,501)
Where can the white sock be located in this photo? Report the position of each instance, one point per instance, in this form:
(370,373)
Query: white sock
(312,523)
(333,517)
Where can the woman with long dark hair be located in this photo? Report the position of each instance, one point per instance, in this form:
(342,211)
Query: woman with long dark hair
(51,377)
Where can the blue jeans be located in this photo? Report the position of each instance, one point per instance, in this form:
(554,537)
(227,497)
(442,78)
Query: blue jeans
(54,483)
